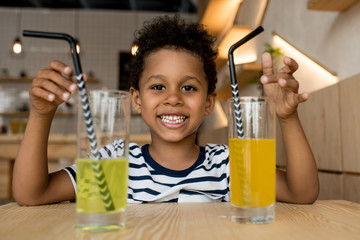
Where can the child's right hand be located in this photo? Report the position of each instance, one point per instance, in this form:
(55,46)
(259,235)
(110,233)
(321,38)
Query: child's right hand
(50,88)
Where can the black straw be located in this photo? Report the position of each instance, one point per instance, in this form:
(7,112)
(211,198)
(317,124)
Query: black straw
(64,36)
(234,86)
(235,46)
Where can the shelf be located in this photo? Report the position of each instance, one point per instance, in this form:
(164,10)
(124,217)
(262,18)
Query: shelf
(29,80)
(331,5)
(26,114)
(57,114)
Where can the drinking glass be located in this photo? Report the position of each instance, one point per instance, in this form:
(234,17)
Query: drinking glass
(252,160)
(102,183)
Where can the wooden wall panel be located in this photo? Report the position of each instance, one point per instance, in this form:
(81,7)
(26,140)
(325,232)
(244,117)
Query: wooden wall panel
(321,122)
(330,186)
(331,5)
(350,122)
(351,187)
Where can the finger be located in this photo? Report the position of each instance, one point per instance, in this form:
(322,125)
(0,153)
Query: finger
(42,93)
(52,88)
(60,67)
(57,78)
(303,97)
(267,64)
(290,65)
(274,78)
(291,84)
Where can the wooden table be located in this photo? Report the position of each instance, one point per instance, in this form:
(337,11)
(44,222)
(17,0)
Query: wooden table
(336,219)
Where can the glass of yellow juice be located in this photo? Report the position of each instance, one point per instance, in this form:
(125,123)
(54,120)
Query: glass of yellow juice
(252,150)
(101,179)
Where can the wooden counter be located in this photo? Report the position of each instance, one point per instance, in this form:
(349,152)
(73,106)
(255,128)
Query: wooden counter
(322,220)
(60,146)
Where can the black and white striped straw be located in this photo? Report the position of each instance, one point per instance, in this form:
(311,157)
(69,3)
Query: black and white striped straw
(96,167)
(87,116)
(234,85)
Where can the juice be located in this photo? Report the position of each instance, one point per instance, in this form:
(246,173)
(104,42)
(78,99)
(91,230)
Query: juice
(90,192)
(252,172)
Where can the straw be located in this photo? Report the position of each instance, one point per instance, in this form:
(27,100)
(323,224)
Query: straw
(99,174)
(234,86)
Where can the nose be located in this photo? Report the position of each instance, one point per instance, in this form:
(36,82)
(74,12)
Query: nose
(173,98)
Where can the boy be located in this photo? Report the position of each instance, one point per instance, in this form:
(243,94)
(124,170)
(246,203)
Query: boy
(173,88)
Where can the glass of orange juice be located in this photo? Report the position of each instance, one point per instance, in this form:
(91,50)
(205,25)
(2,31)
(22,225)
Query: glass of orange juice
(252,160)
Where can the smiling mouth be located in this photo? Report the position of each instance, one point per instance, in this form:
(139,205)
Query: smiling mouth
(172,119)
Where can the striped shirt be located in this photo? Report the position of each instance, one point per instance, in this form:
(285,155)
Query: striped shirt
(207,180)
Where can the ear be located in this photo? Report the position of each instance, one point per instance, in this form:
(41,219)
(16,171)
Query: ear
(135,100)
(210,103)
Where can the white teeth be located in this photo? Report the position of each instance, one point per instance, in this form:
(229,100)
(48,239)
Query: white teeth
(172,119)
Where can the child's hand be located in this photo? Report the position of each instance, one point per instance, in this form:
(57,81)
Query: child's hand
(51,87)
(282,86)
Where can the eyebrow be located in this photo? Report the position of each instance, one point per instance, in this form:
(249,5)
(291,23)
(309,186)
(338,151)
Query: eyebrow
(188,77)
(161,77)
(157,76)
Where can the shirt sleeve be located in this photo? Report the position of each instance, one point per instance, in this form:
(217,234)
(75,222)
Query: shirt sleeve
(113,150)
(71,170)
(227,197)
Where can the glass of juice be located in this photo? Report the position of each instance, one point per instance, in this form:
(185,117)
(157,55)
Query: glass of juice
(252,159)
(102,179)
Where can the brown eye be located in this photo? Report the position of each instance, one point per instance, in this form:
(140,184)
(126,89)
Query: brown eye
(158,87)
(188,88)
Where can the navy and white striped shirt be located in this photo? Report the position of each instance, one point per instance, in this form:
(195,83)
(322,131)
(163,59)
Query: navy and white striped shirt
(207,180)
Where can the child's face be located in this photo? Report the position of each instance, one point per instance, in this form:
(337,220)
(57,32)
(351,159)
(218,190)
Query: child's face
(172,96)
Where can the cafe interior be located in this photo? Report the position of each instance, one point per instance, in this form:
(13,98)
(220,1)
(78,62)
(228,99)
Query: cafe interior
(321,35)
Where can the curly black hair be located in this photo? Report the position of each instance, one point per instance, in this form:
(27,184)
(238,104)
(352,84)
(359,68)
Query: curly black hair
(174,32)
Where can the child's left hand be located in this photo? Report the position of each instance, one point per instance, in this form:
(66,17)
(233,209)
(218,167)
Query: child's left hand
(282,86)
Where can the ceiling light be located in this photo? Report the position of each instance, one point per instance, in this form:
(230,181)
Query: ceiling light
(77,46)
(17,48)
(134,50)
